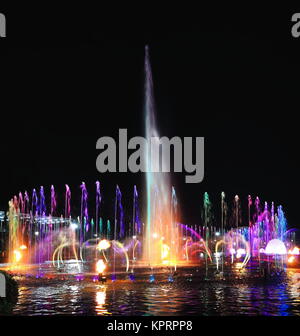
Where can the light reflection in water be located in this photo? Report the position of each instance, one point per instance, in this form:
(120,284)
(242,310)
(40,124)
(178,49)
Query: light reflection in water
(100,301)
(56,296)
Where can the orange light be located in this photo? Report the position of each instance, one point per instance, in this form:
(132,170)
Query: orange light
(100,297)
(239,265)
(103,245)
(18,255)
(294,251)
(23,247)
(165,251)
(100,266)
(291,259)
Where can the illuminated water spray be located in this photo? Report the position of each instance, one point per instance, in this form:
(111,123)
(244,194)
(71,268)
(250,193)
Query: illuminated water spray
(67,202)
(84,218)
(98,202)
(53,201)
(207,218)
(161,240)
(123,242)
(135,215)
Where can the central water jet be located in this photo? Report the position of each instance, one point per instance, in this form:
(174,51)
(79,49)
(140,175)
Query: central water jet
(162,234)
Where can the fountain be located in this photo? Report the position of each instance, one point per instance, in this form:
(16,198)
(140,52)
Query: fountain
(49,239)
(40,241)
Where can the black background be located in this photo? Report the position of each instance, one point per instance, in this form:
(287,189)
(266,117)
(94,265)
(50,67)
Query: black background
(70,76)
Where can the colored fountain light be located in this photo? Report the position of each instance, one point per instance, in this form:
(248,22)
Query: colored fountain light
(294,251)
(100,266)
(276,247)
(82,238)
(75,243)
(17,256)
(74,226)
(162,209)
(103,245)
(151,278)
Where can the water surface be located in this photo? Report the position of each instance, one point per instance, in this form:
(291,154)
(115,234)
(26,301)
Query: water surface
(56,296)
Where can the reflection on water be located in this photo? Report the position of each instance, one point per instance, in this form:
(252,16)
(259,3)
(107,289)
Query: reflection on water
(55,296)
(100,300)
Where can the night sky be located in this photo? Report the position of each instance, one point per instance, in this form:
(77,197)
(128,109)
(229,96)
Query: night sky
(236,83)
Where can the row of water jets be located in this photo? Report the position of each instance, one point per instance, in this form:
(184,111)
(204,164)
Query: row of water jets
(38,234)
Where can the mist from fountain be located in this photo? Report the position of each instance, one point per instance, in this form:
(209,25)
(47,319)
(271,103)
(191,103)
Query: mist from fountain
(162,235)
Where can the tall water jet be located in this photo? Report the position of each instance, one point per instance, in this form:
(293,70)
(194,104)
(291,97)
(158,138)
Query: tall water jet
(67,202)
(98,201)
(160,238)
(26,203)
(14,234)
(119,228)
(273,220)
(207,218)
(22,210)
(108,229)
(84,220)
(236,218)
(249,218)
(282,223)
(42,202)
(174,232)
(224,210)
(119,216)
(53,201)
(136,226)
(34,203)
(136,222)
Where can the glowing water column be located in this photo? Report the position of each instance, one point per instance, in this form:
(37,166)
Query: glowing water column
(160,234)
(14,234)
(223,225)
(207,214)
(98,202)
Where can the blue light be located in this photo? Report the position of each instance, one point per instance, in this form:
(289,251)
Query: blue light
(170,278)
